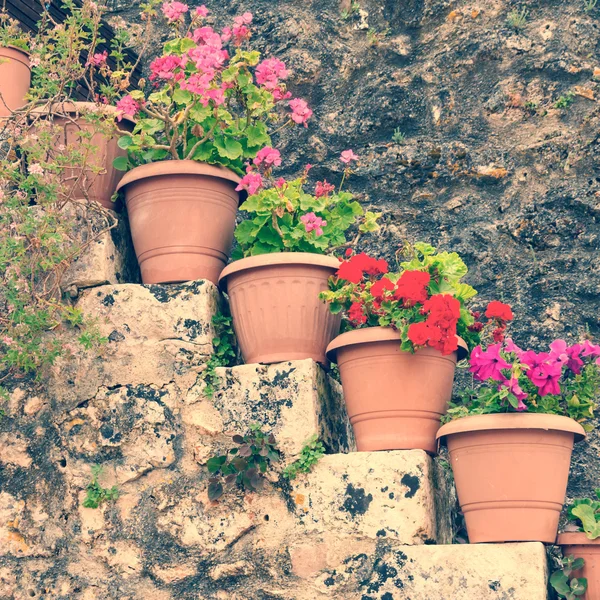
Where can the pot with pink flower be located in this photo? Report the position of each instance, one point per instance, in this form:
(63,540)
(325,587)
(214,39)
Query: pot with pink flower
(283,262)
(510,438)
(405,331)
(192,139)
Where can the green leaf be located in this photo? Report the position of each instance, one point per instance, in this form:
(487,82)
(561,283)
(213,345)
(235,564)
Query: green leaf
(463,291)
(161,97)
(124,142)
(257,135)
(425,249)
(121,163)
(215,491)
(370,223)
(587,516)
(199,113)
(182,96)
(559,582)
(228,147)
(215,463)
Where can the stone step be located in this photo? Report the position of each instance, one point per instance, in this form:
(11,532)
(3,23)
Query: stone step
(157,334)
(449,572)
(376,495)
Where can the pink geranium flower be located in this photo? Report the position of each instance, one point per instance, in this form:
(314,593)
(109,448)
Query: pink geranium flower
(323,188)
(36,169)
(127,106)
(173,11)
(99,59)
(269,72)
(347,156)
(164,67)
(269,157)
(201,12)
(313,223)
(300,111)
(488,364)
(251,182)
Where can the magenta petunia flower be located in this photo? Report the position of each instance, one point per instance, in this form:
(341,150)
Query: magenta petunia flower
(488,364)
(545,377)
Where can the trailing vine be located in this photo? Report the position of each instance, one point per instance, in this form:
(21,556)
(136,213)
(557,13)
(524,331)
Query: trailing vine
(224,353)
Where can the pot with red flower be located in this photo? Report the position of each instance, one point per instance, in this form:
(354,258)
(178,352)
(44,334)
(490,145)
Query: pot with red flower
(283,262)
(405,332)
(510,438)
(206,118)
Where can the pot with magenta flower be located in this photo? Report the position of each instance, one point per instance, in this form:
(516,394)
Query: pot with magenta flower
(510,438)
(285,261)
(405,331)
(194,135)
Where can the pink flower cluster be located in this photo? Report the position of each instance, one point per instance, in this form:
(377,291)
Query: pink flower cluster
(99,59)
(313,223)
(348,156)
(323,188)
(251,182)
(268,157)
(300,111)
(240,30)
(127,106)
(544,369)
(269,73)
(173,11)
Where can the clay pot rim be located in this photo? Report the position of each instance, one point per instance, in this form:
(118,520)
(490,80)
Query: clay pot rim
(576,538)
(377,334)
(512,421)
(24,52)
(275,259)
(177,167)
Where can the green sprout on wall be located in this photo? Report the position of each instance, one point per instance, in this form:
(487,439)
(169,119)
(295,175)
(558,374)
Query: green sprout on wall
(310,455)
(517,19)
(96,494)
(398,136)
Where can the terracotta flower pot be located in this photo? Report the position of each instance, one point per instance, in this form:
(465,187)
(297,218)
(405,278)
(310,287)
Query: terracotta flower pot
(395,399)
(275,305)
(100,180)
(15,79)
(580,546)
(511,473)
(182,217)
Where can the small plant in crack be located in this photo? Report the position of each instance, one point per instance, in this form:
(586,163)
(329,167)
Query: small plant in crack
(223,355)
(244,465)
(398,137)
(310,455)
(352,10)
(96,494)
(565,101)
(517,19)
(589,5)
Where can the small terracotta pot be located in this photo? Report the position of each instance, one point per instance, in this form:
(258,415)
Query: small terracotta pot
(182,216)
(580,546)
(275,305)
(101,179)
(395,399)
(15,79)
(511,473)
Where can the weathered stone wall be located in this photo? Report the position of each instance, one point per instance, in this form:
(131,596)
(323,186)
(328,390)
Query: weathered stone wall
(489,167)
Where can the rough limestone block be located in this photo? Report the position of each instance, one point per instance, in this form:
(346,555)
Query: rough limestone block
(294,400)
(108,259)
(157,334)
(371,495)
(450,572)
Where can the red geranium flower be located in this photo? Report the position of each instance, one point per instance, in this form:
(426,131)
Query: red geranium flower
(353,269)
(412,287)
(418,333)
(356,315)
(378,288)
(498,310)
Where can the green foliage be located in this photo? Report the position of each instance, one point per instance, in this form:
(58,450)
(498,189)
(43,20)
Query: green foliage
(310,455)
(223,355)
(517,19)
(11,33)
(565,101)
(96,494)
(565,586)
(585,513)
(244,465)
(174,123)
(274,221)
(398,136)
(375,37)
(589,5)
(352,10)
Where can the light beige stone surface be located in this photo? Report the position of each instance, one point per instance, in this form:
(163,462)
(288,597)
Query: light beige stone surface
(156,334)
(388,495)
(293,400)
(454,572)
